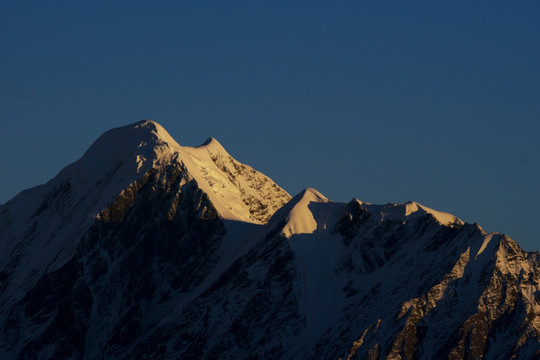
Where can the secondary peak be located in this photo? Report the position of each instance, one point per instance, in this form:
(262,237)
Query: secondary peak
(312,195)
(213,146)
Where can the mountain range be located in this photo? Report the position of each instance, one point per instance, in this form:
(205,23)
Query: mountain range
(146,249)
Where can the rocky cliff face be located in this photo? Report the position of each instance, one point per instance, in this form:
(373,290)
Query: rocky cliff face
(162,251)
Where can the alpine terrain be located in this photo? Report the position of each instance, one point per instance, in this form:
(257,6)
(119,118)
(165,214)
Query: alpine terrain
(145,249)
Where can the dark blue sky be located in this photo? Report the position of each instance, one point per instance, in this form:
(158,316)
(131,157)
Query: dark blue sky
(386,102)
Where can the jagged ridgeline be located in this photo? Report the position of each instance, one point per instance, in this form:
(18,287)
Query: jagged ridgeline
(145,249)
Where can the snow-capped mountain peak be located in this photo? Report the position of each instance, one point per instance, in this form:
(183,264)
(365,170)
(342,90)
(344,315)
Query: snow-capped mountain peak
(137,147)
(123,155)
(303,214)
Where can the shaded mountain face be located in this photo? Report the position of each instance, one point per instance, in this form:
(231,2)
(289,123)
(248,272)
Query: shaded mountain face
(147,249)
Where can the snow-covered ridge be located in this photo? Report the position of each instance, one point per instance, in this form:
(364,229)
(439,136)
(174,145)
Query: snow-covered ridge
(303,217)
(409,210)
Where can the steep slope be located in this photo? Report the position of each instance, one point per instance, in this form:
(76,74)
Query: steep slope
(238,191)
(147,249)
(154,243)
(443,291)
(355,286)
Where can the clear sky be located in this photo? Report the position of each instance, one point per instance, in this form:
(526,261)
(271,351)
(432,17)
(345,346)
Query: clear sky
(386,101)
